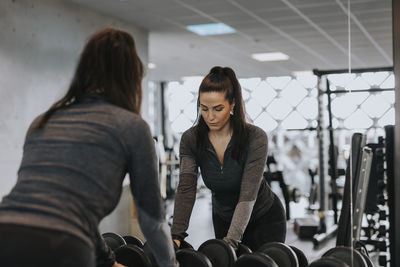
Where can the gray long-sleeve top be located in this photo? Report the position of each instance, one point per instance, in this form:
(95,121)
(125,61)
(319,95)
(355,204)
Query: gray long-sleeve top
(72,171)
(239,192)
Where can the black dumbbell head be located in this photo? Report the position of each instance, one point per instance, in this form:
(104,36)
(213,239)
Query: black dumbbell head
(345,254)
(185,244)
(219,252)
(242,249)
(188,257)
(282,254)
(113,240)
(131,256)
(149,255)
(256,259)
(133,240)
(302,259)
(328,262)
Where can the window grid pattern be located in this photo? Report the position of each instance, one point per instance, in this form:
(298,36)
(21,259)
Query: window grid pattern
(285,106)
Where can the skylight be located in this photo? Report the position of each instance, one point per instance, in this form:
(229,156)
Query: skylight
(211,29)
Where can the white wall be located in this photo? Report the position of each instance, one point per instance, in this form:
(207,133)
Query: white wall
(40,42)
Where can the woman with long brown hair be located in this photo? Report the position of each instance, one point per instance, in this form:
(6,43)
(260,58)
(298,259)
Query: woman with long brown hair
(231,155)
(75,158)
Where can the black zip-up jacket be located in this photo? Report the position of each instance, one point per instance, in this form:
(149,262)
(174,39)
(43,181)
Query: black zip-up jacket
(239,192)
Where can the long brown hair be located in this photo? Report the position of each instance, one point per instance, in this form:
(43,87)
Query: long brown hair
(109,64)
(221,79)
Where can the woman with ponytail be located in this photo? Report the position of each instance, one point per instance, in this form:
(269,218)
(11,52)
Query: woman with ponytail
(231,155)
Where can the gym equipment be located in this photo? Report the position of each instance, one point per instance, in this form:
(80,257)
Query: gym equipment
(133,240)
(131,252)
(302,259)
(132,256)
(282,254)
(113,240)
(218,252)
(361,165)
(190,258)
(185,255)
(344,254)
(128,250)
(389,155)
(213,252)
(305,228)
(323,87)
(328,262)
(277,176)
(342,257)
(273,254)
(256,259)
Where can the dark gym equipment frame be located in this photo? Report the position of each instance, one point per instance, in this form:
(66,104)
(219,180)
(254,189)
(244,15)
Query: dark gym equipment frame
(323,231)
(395,242)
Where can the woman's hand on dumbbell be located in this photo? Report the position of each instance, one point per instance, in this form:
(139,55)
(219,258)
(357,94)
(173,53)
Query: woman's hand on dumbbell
(177,242)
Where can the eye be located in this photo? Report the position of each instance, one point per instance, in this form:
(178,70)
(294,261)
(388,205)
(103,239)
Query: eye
(204,109)
(219,109)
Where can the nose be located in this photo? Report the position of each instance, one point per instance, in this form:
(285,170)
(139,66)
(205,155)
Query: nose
(211,116)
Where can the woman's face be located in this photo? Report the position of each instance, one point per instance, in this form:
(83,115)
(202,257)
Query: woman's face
(215,109)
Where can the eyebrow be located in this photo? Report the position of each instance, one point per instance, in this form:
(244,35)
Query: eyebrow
(220,105)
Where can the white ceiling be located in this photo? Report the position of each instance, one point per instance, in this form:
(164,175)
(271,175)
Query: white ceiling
(314,33)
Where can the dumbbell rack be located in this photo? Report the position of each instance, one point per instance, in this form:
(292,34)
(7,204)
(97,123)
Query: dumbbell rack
(377,232)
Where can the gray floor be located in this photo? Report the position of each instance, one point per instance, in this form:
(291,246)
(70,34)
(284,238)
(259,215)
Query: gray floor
(201,229)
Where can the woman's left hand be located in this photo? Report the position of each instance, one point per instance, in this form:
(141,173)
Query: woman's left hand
(116,264)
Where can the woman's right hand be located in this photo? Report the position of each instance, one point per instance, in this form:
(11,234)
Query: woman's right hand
(177,242)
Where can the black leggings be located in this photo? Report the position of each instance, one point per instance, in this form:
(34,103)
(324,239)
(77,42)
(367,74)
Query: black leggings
(23,246)
(271,227)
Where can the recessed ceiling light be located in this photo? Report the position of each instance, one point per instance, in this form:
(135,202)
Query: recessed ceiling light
(302,73)
(211,29)
(274,56)
(185,78)
(151,65)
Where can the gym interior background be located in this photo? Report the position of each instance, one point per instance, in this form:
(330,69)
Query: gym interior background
(41,39)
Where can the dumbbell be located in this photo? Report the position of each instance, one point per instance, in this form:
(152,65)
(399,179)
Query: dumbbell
(220,253)
(274,254)
(301,257)
(113,240)
(128,250)
(269,255)
(132,254)
(133,240)
(342,257)
(185,255)
(213,252)
(135,253)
